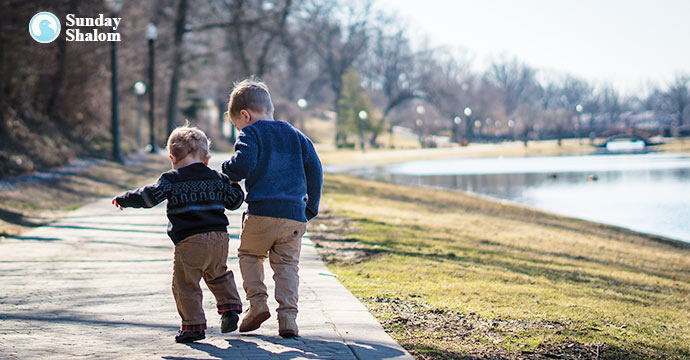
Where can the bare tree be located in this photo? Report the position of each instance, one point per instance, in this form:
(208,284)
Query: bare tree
(677,98)
(176,63)
(390,68)
(338,43)
(559,98)
(516,82)
(611,106)
(254,28)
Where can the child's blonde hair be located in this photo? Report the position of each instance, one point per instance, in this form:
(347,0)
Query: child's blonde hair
(187,139)
(250,93)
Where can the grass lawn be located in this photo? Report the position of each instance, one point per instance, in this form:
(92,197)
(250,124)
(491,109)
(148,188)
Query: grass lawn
(452,275)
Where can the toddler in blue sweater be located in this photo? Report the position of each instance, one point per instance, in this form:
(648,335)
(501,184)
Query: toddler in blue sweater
(283,179)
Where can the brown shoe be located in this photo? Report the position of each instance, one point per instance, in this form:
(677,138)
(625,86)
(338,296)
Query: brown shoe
(256,315)
(287,327)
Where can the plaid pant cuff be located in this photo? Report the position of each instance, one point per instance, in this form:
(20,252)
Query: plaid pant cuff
(195,327)
(229,307)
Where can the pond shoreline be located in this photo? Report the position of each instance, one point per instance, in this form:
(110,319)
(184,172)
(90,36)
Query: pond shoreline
(487,186)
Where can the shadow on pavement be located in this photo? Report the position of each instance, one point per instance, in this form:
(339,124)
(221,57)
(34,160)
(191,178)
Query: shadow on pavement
(76,227)
(300,347)
(32,238)
(17,218)
(83,261)
(79,319)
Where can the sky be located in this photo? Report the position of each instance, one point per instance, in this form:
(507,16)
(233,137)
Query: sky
(627,44)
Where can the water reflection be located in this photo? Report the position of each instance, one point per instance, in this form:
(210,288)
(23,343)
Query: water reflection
(648,193)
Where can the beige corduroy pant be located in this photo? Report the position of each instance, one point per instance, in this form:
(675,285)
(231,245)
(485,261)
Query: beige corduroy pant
(279,240)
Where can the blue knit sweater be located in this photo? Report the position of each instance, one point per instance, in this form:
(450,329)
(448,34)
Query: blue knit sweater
(282,171)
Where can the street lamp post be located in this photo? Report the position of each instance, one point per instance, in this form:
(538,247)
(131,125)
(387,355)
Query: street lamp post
(578,108)
(456,128)
(114,6)
(363,115)
(151,35)
(420,127)
(139,90)
(511,125)
(420,123)
(468,123)
(302,104)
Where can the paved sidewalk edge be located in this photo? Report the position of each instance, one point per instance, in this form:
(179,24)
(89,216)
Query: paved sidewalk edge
(351,319)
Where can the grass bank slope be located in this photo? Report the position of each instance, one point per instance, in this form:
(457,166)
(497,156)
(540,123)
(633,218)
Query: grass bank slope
(451,275)
(25,205)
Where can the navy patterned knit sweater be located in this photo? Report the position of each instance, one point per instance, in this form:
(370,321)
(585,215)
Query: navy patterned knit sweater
(197,198)
(282,170)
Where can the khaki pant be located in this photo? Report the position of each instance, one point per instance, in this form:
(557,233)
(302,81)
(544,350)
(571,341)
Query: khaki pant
(203,256)
(280,240)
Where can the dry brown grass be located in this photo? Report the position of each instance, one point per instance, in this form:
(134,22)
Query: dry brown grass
(37,203)
(452,275)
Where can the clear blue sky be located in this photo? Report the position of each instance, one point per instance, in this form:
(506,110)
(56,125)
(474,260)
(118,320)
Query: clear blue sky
(623,43)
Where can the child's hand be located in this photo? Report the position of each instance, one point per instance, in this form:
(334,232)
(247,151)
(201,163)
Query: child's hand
(114,202)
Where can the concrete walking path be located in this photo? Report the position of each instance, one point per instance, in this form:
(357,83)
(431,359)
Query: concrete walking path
(96,284)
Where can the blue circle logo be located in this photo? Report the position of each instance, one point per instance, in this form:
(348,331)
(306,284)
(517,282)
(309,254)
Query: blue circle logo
(44,27)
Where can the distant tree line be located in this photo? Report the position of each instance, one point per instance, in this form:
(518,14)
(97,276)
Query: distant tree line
(343,57)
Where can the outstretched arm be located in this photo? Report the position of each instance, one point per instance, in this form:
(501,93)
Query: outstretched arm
(145,197)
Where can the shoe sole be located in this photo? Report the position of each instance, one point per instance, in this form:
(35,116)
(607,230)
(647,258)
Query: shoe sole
(190,339)
(256,323)
(287,333)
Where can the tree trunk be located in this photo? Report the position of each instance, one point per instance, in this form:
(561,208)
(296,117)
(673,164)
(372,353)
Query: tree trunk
(176,63)
(58,77)
(338,134)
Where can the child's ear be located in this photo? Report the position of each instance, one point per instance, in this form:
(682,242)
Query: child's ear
(246,115)
(206,160)
(172,158)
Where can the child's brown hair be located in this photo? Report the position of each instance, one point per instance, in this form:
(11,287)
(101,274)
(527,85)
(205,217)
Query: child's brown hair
(250,93)
(187,139)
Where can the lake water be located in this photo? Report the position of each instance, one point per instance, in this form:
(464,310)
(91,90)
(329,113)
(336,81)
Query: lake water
(648,192)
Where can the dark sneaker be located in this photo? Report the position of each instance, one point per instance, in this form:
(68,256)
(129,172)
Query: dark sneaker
(228,321)
(189,336)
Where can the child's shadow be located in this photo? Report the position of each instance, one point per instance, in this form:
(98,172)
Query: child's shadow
(300,347)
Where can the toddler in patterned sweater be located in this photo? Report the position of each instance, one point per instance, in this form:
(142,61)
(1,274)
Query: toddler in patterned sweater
(197,198)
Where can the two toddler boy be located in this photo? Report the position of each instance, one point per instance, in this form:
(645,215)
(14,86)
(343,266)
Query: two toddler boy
(283,179)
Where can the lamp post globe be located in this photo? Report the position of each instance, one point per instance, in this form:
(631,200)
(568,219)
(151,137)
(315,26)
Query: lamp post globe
(139,88)
(151,32)
(114,5)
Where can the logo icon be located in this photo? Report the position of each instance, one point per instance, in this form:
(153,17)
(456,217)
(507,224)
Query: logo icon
(44,27)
